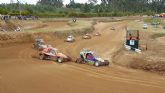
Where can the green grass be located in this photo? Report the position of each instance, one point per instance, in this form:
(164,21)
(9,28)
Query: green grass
(157,20)
(151,20)
(54,19)
(78,25)
(134,25)
(157,35)
(163,21)
(78,28)
(157,32)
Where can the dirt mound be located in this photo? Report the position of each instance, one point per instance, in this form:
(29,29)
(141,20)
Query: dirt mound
(7,39)
(78,28)
(42,25)
(42,30)
(21,72)
(161,40)
(151,59)
(9,25)
(75,32)
(158,67)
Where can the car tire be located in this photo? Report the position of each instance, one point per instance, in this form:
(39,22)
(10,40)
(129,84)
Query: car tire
(79,60)
(97,64)
(34,46)
(106,62)
(42,57)
(60,60)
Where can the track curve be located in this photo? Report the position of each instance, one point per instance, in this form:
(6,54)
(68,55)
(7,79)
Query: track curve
(20,72)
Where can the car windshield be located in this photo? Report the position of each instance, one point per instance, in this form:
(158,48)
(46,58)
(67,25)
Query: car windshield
(70,36)
(92,56)
(54,51)
(96,55)
(40,40)
(87,34)
(42,43)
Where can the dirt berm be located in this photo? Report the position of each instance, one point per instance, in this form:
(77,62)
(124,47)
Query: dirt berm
(151,60)
(21,73)
(10,38)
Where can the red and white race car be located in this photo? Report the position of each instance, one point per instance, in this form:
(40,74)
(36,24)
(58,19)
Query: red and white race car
(53,54)
(162,15)
(86,36)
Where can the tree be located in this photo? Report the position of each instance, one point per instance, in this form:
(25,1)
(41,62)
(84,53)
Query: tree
(92,1)
(72,2)
(55,3)
(106,8)
(106,1)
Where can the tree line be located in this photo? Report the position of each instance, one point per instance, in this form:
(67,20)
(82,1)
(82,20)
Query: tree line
(56,8)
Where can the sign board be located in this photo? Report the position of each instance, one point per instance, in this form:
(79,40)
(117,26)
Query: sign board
(132,42)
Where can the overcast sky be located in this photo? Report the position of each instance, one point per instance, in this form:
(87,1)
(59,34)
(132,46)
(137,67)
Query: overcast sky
(34,1)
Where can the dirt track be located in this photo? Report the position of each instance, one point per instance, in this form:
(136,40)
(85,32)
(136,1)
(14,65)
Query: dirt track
(21,73)
(161,40)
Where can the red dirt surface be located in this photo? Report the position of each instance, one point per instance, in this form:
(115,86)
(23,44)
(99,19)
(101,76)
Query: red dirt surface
(20,72)
(151,60)
(43,25)
(161,40)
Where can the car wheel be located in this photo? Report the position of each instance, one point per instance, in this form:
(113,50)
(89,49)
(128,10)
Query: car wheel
(59,60)
(79,60)
(34,46)
(106,62)
(42,57)
(96,64)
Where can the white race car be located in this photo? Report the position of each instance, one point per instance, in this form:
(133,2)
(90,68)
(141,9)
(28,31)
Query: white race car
(86,36)
(70,39)
(145,26)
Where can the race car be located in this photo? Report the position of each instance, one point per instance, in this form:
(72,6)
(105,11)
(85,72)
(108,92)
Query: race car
(86,36)
(39,44)
(145,26)
(53,54)
(89,57)
(70,39)
(97,34)
(112,28)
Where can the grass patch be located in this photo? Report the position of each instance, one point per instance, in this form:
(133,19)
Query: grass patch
(151,20)
(73,26)
(44,20)
(135,25)
(157,35)
(163,22)
(78,28)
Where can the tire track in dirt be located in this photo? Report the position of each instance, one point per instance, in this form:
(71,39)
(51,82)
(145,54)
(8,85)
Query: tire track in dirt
(100,74)
(77,47)
(62,75)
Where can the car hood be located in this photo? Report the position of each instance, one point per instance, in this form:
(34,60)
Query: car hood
(62,55)
(43,46)
(86,36)
(100,59)
(69,39)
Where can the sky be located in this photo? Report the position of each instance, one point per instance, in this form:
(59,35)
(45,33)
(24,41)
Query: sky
(34,1)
